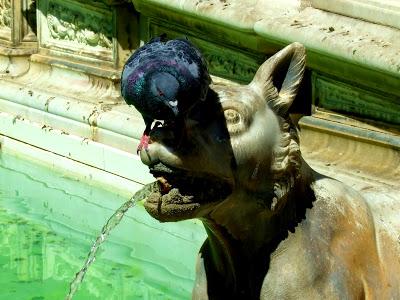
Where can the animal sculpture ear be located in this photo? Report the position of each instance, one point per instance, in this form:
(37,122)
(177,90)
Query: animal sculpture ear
(278,79)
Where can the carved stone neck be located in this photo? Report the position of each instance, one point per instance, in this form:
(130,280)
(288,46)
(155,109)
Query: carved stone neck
(239,246)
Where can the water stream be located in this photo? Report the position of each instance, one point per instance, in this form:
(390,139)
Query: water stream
(113,221)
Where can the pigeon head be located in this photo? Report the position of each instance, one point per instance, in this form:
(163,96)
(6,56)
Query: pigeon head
(164,87)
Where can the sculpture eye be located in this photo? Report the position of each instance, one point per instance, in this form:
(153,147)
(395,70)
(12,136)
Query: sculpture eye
(237,118)
(232,116)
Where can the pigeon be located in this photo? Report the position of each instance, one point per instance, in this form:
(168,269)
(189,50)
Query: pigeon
(163,80)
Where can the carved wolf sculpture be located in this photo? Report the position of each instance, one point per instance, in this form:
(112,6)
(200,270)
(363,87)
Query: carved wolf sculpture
(276,228)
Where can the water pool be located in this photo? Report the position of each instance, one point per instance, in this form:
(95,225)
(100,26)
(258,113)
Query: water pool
(48,222)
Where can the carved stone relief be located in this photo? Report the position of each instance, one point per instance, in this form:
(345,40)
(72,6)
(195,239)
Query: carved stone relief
(230,67)
(5,19)
(79,35)
(18,27)
(340,97)
(77,31)
(5,13)
(86,29)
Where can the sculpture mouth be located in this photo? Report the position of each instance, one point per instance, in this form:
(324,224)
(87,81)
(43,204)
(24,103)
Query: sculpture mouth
(182,193)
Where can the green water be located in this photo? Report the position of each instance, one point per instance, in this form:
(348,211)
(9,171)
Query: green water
(48,222)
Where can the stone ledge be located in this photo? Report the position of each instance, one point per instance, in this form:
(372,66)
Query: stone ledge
(360,131)
(95,154)
(62,81)
(96,68)
(361,52)
(352,49)
(115,125)
(385,12)
(81,172)
(9,50)
(237,15)
(339,145)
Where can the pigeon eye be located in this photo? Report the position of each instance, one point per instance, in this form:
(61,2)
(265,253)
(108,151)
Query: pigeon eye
(160,93)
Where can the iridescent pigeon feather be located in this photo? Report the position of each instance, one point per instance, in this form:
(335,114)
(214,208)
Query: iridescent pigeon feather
(163,80)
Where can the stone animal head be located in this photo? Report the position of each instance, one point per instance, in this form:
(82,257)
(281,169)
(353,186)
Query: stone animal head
(239,142)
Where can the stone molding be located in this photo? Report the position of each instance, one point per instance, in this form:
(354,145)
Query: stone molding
(223,61)
(51,78)
(336,144)
(76,129)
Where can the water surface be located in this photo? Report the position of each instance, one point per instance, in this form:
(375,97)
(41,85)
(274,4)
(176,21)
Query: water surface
(48,222)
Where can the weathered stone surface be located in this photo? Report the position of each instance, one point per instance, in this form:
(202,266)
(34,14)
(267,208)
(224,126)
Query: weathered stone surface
(386,12)
(240,15)
(359,154)
(349,42)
